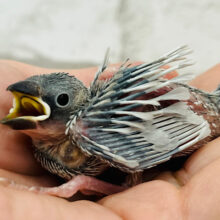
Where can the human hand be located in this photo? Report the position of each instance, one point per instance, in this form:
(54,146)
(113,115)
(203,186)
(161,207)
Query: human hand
(193,192)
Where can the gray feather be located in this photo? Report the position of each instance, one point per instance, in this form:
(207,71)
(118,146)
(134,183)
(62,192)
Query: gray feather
(127,123)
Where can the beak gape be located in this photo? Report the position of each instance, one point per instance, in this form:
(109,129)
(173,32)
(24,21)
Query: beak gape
(27,110)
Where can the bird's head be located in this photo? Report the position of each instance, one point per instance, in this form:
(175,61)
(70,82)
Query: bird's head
(43,104)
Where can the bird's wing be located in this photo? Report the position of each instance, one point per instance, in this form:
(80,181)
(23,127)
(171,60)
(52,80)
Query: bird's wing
(139,119)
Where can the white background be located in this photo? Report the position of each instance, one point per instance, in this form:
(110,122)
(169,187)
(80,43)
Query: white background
(76,33)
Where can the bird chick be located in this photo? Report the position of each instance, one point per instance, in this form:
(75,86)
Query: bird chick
(132,122)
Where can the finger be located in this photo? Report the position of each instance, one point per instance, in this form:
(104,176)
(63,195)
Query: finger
(202,193)
(16,153)
(17,204)
(45,180)
(199,160)
(194,164)
(209,80)
(13,71)
(151,200)
(7,178)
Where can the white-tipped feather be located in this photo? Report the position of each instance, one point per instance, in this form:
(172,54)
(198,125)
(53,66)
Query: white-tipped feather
(130,110)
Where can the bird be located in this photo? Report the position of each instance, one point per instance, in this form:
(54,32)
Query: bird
(131,122)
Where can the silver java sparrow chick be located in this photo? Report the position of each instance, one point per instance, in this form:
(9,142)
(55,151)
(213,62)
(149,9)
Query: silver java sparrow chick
(132,122)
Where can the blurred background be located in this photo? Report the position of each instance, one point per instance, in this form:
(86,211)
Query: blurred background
(76,33)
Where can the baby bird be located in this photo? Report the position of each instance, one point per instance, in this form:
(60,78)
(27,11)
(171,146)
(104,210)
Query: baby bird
(131,122)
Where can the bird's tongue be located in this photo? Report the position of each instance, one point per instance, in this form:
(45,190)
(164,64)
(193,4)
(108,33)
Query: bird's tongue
(30,107)
(27,110)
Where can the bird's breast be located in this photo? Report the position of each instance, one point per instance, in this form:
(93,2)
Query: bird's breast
(67,160)
(71,156)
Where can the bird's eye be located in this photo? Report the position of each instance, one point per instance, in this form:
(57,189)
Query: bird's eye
(62,100)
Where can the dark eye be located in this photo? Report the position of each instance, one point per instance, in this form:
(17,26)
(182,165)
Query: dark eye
(62,100)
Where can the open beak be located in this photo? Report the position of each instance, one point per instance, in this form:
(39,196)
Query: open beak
(27,109)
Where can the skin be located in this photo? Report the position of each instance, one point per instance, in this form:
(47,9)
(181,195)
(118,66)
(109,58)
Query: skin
(193,192)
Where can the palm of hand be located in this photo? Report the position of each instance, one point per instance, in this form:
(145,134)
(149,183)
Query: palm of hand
(193,192)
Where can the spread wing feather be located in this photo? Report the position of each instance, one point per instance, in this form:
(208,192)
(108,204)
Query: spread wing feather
(139,119)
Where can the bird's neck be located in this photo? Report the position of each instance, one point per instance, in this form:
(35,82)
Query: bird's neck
(48,134)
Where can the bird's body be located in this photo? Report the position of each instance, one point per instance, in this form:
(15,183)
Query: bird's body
(134,121)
